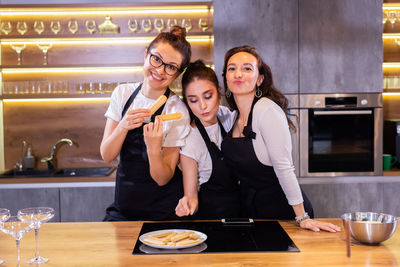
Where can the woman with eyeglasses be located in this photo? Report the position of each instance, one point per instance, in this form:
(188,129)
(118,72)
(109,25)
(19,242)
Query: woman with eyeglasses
(148,183)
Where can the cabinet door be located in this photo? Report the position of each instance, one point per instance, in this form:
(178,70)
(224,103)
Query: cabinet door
(85,204)
(15,199)
(340,44)
(268,25)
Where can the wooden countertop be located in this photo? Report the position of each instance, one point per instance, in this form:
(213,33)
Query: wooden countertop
(111,244)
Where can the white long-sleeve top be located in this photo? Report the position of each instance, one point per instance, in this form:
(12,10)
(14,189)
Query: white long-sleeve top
(273,146)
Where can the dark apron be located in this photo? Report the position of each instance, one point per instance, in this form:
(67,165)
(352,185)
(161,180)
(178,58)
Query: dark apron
(219,196)
(137,195)
(261,195)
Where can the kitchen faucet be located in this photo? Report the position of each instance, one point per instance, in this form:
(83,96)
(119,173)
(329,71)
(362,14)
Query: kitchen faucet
(51,160)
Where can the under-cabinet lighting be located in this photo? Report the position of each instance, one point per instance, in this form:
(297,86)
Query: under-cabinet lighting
(71,69)
(390,93)
(106,10)
(391,36)
(391,65)
(111,40)
(66,99)
(390,6)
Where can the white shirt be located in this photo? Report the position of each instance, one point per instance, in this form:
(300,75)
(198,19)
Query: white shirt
(174,131)
(196,147)
(273,146)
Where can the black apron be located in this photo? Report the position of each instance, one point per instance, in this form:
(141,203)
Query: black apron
(219,196)
(137,195)
(261,195)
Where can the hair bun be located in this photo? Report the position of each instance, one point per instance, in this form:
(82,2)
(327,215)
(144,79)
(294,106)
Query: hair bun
(178,31)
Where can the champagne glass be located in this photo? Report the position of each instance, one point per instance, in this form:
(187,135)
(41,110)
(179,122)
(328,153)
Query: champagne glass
(38,26)
(159,24)
(90,26)
(73,26)
(16,228)
(187,24)
(55,26)
(392,18)
(4,215)
(36,217)
(6,27)
(203,24)
(45,48)
(146,25)
(133,25)
(171,23)
(18,48)
(22,28)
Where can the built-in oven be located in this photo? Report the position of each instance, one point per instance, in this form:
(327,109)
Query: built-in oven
(340,134)
(293,114)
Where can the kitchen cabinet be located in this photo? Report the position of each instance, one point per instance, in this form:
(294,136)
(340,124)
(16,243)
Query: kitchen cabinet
(268,25)
(340,47)
(19,198)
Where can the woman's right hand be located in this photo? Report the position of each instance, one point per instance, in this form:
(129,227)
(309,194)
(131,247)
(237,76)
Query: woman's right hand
(134,118)
(186,206)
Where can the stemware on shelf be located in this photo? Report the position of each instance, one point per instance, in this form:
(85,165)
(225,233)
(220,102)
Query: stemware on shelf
(18,48)
(73,26)
(91,26)
(392,17)
(16,228)
(6,27)
(385,17)
(133,25)
(55,26)
(45,48)
(36,217)
(146,25)
(171,23)
(159,24)
(22,28)
(203,24)
(4,215)
(187,24)
(38,26)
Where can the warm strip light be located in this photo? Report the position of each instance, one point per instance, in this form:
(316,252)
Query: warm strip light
(110,40)
(391,36)
(57,99)
(391,65)
(389,94)
(393,6)
(70,69)
(107,11)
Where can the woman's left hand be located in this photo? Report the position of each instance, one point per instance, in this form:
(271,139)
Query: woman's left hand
(315,226)
(153,135)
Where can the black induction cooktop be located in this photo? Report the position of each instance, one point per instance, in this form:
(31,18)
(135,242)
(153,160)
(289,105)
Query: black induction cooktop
(257,236)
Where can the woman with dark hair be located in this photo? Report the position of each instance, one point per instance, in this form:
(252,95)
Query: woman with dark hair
(148,184)
(208,185)
(258,148)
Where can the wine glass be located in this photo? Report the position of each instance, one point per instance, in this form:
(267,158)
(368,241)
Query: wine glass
(4,215)
(18,48)
(55,26)
(133,25)
(90,26)
(159,24)
(187,24)
(22,28)
(73,26)
(171,23)
(203,24)
(36,217)
(45,48)
(16,228)
(38,26)
(392,17)
(6,27)
(146,25)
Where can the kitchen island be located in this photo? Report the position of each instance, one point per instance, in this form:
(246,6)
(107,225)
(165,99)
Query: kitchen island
(111,244)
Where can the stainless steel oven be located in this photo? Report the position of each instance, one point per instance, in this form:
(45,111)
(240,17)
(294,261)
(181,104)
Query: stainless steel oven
(293,112)
(340,134)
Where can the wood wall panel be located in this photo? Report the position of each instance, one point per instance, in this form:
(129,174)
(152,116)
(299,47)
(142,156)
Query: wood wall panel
(42,123)
(391,107)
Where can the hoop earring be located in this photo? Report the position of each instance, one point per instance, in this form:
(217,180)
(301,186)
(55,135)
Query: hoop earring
(228,93)
(258,92)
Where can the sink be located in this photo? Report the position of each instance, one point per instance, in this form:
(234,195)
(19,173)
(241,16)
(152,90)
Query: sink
(65,172)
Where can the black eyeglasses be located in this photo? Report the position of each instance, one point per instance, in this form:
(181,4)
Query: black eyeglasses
(156,62)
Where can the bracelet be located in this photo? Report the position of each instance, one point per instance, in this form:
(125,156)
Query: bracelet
(301,218)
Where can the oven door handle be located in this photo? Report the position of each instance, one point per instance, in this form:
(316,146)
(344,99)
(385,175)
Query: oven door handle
(342,112)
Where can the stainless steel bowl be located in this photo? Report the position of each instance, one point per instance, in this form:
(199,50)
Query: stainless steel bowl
(371,227)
